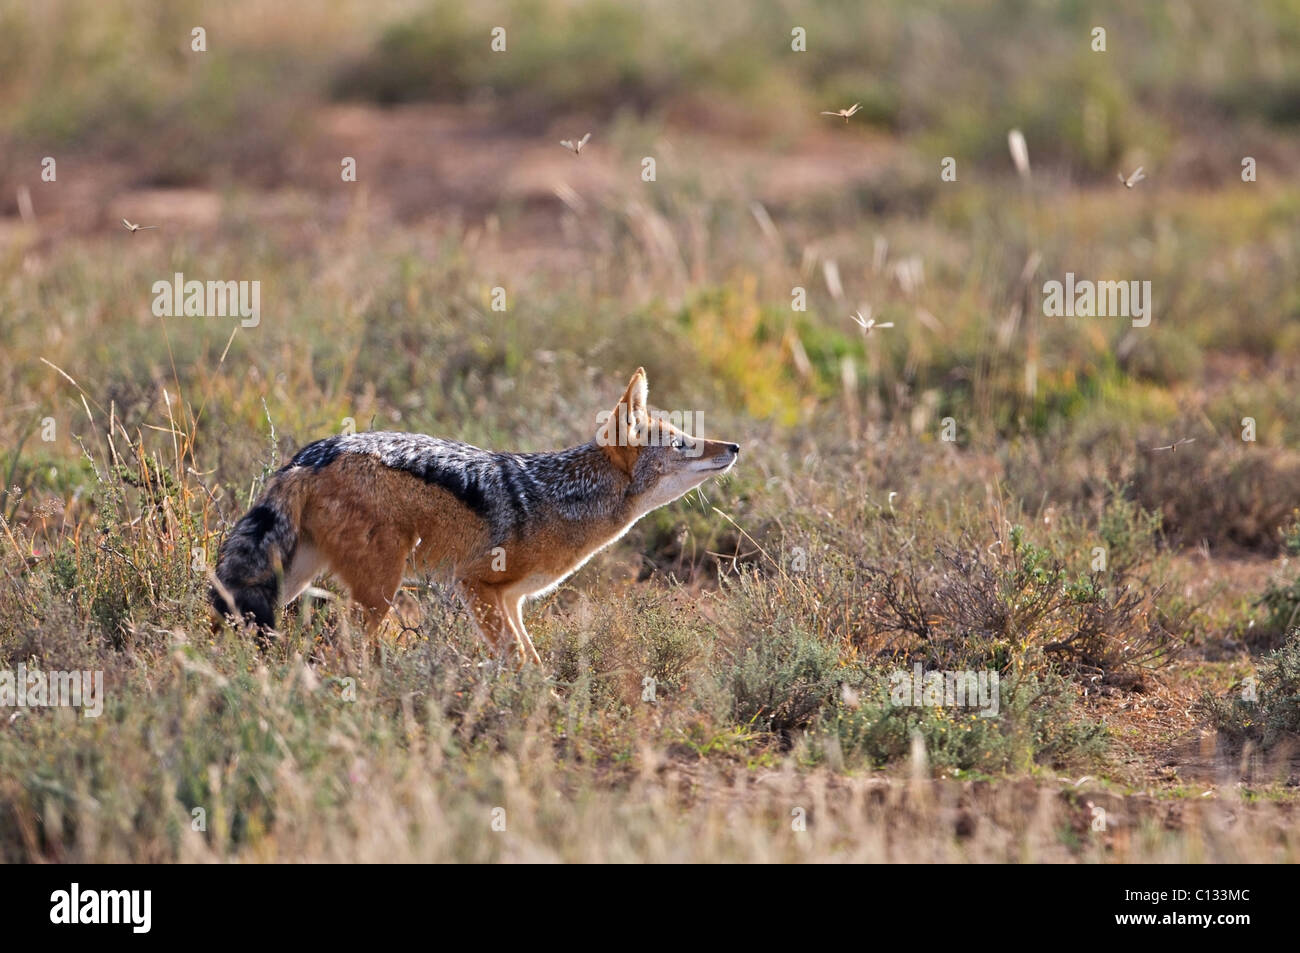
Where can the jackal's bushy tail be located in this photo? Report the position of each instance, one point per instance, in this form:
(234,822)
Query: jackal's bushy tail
(255,556)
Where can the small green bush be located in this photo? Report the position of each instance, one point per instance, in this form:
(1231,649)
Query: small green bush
(1275,712)
(1036,723)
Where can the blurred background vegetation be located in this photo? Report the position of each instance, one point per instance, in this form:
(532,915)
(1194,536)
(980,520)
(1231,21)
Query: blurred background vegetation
(376,298)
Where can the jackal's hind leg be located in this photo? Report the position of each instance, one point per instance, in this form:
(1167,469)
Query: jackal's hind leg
(373,581)
(306,565)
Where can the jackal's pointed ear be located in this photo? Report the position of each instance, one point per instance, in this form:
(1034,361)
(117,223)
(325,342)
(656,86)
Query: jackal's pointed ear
(635,396)
(624,430)
(631,410)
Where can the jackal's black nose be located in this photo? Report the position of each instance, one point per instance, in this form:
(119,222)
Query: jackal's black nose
(734,448)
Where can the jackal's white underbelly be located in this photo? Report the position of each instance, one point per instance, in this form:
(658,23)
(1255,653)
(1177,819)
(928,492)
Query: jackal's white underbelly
(540,583)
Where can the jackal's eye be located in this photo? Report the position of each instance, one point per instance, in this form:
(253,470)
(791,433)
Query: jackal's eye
(679,443)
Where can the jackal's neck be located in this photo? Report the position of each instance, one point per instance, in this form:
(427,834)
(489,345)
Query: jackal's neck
(582,482)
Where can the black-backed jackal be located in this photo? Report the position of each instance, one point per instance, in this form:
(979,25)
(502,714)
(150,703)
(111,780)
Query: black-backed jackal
(503,526)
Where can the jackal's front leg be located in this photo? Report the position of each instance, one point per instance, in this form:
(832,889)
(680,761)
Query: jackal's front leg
(492,620)
(513,603)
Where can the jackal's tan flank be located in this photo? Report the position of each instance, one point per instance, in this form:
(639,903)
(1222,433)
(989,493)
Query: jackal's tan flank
(504,526)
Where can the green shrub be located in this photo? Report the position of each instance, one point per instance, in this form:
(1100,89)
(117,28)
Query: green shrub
(1036,723)
(1274,714)
(779,682)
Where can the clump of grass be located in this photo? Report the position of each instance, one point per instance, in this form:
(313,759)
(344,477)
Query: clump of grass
(1272,715)
(780,681)
(1037,722)
(1280,600)
(1220,495)
(1013,606)
(1130,532)
(141,565)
